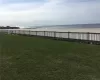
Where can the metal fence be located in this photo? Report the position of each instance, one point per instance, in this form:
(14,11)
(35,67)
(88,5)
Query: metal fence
(75,36)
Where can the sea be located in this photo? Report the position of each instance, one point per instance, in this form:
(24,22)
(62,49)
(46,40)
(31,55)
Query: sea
(68,28)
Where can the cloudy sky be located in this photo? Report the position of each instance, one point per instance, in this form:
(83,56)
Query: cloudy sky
(48,12)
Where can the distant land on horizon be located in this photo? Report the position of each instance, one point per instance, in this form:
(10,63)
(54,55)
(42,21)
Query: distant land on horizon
(96,25)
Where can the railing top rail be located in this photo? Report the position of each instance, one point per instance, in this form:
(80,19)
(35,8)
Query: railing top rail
(69,32)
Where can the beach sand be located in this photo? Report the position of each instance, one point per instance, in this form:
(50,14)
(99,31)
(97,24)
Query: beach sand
(94,30)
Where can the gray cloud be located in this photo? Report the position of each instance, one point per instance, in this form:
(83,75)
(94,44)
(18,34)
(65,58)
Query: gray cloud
(52,12)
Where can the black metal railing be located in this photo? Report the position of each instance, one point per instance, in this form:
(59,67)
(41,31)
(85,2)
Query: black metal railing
(70,36)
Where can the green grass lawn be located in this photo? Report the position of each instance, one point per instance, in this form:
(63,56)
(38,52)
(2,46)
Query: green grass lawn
(31,58)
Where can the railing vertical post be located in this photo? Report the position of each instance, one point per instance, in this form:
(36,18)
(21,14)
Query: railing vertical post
(54,34)
(96,37)
(22,32)
(36,33)
(15,32)
(7,31)
(99,36)
(44,33)
(68,35)
(19,31)
(78,35)
(25,32)
(88,37)
(29,32)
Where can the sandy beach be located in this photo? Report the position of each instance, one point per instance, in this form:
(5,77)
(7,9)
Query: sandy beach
(94,30)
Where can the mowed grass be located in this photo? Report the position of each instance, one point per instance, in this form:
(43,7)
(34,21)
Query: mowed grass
(31,58)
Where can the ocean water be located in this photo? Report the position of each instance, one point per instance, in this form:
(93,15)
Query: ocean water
(63,29)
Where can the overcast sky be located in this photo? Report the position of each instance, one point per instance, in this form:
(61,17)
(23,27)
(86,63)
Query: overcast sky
(48,12)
